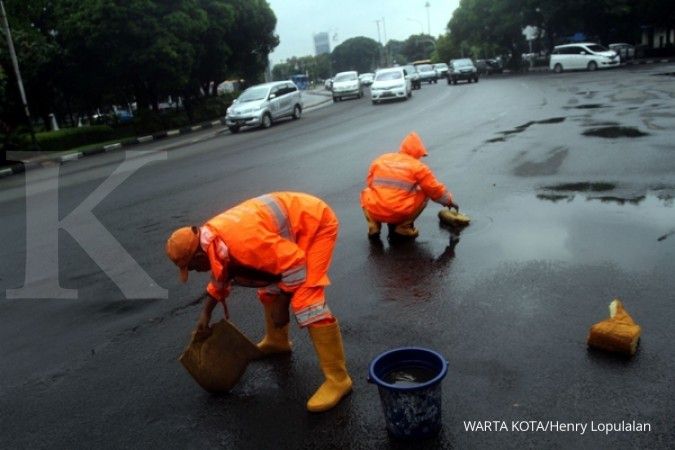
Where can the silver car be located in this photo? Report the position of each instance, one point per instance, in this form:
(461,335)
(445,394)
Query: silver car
(347,84)
(260,105)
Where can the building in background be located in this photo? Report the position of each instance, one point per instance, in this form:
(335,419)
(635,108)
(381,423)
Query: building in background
(321,43)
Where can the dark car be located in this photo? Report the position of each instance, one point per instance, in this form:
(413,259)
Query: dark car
(462,69)
(488,66)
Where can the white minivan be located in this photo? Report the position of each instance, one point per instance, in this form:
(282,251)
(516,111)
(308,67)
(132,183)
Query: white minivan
(586,55)
(262,104)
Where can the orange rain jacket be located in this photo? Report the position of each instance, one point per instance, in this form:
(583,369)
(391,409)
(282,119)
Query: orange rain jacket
(282,240)
(398,184)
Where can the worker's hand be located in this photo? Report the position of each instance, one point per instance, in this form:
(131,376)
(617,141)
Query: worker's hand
(453,205)
(203,322)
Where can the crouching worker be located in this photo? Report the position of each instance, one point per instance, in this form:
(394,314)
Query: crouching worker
(398,187)
(281,243)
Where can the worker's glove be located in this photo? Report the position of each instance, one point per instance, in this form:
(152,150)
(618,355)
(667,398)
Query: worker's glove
(452,204)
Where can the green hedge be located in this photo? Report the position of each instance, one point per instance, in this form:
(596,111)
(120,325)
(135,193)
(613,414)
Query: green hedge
(68,138)
(145,122)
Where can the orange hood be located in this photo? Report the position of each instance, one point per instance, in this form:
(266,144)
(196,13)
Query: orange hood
(412,145)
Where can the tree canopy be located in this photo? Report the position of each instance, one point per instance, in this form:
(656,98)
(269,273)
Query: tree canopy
(79,55)
(486,28)
(360,53)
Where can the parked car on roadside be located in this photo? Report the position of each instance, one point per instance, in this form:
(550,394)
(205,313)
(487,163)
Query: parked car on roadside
(411,72)
(427,73)
(346,84)
(586,55)
(441,70)
(488,66)
(625,51)
(366,78)
(261,105)
(462,69)
(390,84)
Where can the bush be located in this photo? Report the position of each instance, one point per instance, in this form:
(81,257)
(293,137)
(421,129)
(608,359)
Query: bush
(145,122)
(68,138)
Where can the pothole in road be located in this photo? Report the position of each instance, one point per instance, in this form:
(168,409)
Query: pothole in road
(615,132)
(523,127)
(666,74)
(582,187)
(587,106)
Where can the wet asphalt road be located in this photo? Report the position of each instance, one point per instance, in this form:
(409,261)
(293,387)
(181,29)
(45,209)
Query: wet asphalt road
(562,223)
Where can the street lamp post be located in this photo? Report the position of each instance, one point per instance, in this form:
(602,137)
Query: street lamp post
(17,72)
(379,40)
(427,5)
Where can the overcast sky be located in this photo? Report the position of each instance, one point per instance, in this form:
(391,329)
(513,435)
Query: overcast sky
(299,20)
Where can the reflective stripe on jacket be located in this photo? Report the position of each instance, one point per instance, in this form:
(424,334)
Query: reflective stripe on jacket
(399,183)
(274,233)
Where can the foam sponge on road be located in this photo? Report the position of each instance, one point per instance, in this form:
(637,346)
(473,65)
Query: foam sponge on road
(453,218)
(217,358)
(618,334)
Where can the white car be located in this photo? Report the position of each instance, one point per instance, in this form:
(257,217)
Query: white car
(260,105)
(441,70)
(366,78)
(585,55)
(427,73)
(390,84)
(346,84)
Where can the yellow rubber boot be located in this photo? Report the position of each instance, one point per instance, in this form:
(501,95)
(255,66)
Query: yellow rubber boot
(374,226)
(328,345)
(276,338)
(407,229)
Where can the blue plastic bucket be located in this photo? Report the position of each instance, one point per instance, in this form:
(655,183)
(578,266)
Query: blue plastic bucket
(409,383)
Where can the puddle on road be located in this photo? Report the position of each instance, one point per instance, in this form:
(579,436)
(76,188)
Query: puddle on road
(568,226)
(615,132)
(591,190)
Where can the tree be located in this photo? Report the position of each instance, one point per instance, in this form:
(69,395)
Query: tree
(418,46)
(212,49)
(359,53)
(394,50)
(252,37)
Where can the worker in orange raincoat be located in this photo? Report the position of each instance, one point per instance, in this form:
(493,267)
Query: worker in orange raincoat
(281,243)
(398,187)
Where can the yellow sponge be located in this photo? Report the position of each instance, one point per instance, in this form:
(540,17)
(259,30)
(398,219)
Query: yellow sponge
(619,333)
(452,217)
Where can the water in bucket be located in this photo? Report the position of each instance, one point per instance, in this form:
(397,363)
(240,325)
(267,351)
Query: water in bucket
(410,376)
(409,382)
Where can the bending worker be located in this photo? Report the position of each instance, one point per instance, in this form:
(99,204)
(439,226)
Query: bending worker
(281,243)
(398,187)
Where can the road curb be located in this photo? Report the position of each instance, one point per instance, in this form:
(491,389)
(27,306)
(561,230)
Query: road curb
(60,159)
(64,158)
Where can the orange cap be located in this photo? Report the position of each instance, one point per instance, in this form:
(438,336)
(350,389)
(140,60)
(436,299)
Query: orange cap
(181,246)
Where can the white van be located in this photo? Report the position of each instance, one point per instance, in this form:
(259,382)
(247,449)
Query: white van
(581,56)
(262,104)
